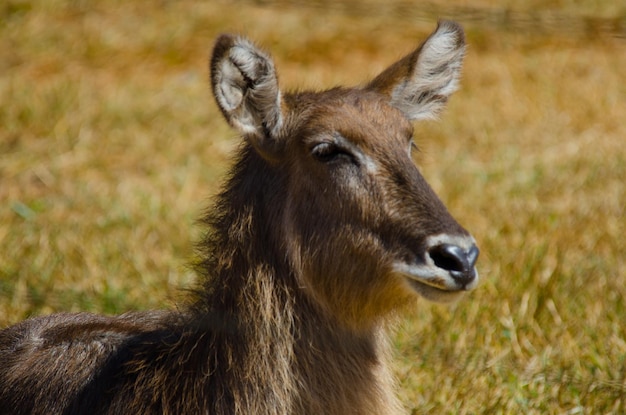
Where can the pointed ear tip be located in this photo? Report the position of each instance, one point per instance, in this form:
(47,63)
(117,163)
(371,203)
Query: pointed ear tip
(224,39)
(451,26)
(224,36)
(223,43)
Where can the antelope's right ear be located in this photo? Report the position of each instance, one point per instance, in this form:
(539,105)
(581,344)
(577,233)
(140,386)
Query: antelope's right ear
(420,84)
(245,86)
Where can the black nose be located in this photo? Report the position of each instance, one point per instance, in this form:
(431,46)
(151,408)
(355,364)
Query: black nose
(457,261)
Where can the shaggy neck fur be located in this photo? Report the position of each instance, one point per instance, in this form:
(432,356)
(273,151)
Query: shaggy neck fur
(276,340)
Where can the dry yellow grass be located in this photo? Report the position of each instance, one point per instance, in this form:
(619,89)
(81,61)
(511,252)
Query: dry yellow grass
(110,146)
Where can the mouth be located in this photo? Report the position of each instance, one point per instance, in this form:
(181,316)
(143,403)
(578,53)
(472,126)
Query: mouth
(444,270)
(433,293)
(433,283)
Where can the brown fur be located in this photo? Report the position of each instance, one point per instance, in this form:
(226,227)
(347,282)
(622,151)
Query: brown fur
(298,279)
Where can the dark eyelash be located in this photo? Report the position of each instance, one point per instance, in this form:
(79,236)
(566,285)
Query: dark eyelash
(328,152)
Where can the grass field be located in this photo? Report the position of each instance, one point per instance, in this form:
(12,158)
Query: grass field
(111,146)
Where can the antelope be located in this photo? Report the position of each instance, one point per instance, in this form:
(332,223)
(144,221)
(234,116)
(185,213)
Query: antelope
(324,231)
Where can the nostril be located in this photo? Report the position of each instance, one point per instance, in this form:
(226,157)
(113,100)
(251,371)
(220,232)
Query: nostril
(451,258)
(458,262)
(472,255)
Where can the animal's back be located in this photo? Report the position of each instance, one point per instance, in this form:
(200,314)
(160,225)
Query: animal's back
(58,363)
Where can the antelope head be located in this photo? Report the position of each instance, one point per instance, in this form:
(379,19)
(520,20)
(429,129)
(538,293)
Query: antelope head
(362,229)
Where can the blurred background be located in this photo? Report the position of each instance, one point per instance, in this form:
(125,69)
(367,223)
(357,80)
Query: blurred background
(111,147)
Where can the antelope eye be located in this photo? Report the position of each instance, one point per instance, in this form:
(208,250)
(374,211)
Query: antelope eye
(412,147)
(328,152)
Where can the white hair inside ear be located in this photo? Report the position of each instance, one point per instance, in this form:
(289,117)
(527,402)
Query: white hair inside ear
(420,84)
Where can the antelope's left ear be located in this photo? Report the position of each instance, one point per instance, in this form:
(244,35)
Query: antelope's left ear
(419,84)
(245,86)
